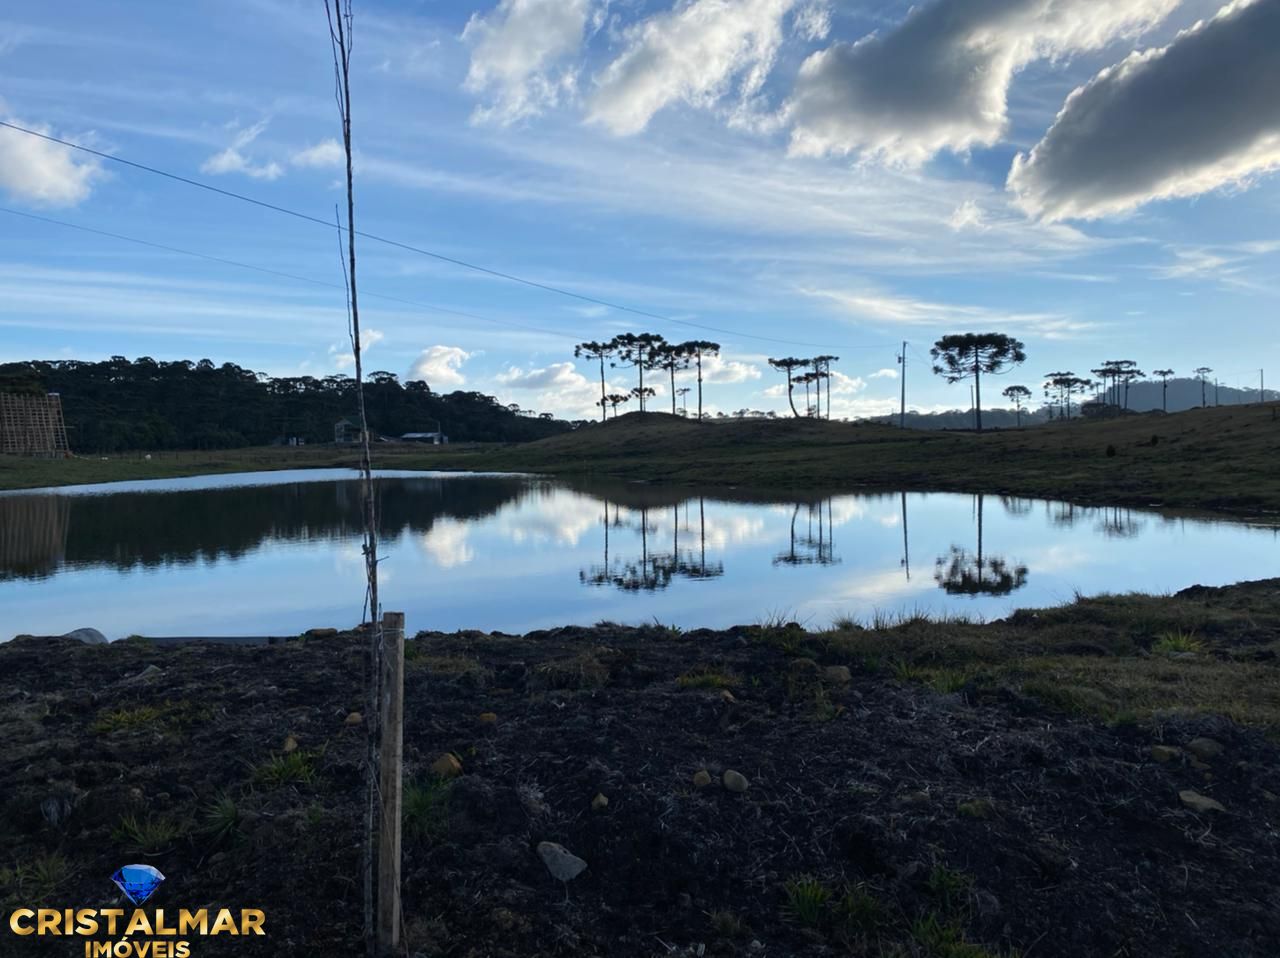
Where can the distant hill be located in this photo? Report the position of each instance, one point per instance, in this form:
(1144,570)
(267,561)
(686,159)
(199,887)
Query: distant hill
(119,405)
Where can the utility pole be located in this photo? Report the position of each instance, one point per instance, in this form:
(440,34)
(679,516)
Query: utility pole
(902,360)
(1215,391)
(1262,385)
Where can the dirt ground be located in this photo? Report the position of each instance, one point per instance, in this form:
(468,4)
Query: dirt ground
(880,816)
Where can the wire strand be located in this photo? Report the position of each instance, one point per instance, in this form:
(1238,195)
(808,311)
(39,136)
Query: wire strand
(408,247)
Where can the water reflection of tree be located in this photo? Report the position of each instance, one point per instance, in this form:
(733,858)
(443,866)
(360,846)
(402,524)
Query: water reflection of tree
(654,569)
(155,529)
(1118,523)
(961,572)
(816,544)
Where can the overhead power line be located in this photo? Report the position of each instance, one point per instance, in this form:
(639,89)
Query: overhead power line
(374,237)
(294,276)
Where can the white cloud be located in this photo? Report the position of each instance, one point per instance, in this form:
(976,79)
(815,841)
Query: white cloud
(341,353)
(889,308)
(1199,114)
(721,371)
(41,172)
(940,79)
(885,374)
(968,215)
(518,56)
(694,54)
(232,160)
(555,376)
(440,366)
(326,153)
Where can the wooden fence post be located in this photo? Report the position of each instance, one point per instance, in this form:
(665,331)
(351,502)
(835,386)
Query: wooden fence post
(391,781)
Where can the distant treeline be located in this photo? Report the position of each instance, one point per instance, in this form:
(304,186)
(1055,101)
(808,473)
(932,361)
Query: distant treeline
(119,405)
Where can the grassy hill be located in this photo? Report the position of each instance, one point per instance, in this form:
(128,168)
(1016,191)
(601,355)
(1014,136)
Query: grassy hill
(1225,458)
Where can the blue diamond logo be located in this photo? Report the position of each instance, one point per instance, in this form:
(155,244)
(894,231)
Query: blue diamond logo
(138,882)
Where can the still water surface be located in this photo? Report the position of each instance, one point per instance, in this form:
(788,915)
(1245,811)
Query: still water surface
(278,553)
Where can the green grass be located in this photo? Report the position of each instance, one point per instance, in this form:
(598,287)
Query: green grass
(220,819)
(727,925)
(291,768)
(36,878)
(168,716)
(939,938)
(126,719)
(149,835)
(857,914)
(1169,643)
(707,677)
(425,808)
(806,900)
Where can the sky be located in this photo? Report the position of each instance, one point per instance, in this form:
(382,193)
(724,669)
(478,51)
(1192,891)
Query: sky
(784,177)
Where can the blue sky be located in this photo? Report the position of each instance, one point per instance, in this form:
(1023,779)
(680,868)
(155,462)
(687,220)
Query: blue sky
(792,172)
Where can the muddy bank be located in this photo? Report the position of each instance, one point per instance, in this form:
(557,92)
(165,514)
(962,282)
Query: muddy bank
(880,816)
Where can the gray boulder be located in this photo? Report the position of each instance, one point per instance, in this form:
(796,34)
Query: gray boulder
(87,636)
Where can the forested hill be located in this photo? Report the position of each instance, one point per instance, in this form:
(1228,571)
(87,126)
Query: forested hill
(119,405)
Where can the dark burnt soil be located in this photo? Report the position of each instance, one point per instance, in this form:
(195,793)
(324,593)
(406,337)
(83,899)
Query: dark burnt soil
(881,818)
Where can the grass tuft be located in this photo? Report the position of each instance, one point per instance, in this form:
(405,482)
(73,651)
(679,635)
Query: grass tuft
(806,900)
(293,768)
(151,835)
(426,808)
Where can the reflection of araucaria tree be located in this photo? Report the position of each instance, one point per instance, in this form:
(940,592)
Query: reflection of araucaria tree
(1017,395)
(600,351)
(968,355)
(789,365)
(962,573)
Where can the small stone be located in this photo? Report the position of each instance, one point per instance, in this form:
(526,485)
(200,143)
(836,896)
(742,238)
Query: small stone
(1199,803)
(447,766)
(321,633)
(563,864)
(1165,753)
(488,718)
(146,675)
(290,744)
(355,718)
(804,666)
(727,696)
(1204,748)
(915,798)
(1270,796)
(600,802)
(701,778)
(735,781)
(1199,766)
(838,674)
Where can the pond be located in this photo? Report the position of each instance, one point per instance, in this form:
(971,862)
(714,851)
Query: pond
(279,553)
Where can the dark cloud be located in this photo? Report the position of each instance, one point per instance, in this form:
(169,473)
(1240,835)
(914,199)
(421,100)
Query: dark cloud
(1201,113)
(940,79)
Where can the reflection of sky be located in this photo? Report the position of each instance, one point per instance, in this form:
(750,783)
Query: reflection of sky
(519,568)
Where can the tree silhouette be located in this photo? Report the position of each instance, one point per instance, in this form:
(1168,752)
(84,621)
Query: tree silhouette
(600,351)
(823,365)
(697,348)
(642,394)
(789,365)
(683,393)
(1164,375)
(615,400)
(635,351)
(1018,395)
(673,358)
(1128,376)
(1066,386)
(1201,372)
(968,355)
(1116,372)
